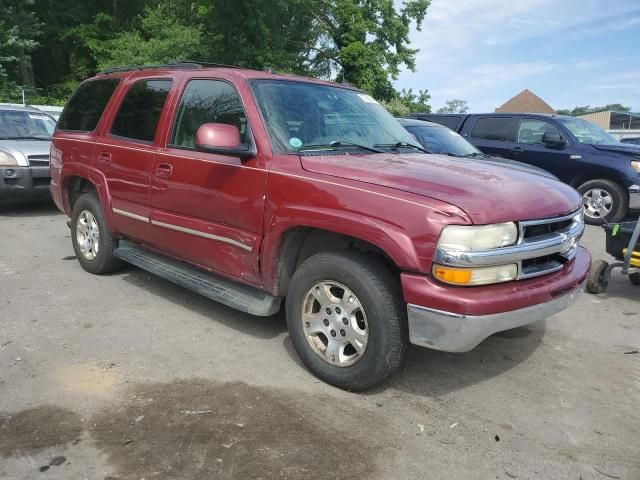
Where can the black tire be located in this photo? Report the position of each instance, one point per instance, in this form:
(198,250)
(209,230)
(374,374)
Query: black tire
(634,278)
(596,282)
(379,293)
(620,203)
(104,261)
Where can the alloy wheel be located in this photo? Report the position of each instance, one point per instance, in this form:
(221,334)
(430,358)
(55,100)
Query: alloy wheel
(335,323)
(88,235)
(598,203)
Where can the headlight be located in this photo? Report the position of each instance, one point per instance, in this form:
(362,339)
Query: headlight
(471,238)
(7,160)
(475,276)
(636,165)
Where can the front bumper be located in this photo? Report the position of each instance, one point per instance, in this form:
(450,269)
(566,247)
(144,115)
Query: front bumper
(452,332)
(24,182)
(634,197)
(457,319)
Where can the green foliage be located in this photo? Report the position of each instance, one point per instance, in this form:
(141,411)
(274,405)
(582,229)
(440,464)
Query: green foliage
(159,38)
(363,42)
(19,30)
(617,107)
(455,106)
(367,41)
(404,103)
(396,107)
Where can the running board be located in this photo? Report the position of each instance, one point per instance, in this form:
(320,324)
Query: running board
(241,297)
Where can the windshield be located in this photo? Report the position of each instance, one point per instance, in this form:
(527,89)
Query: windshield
(587,132)
(20,124)
(306,116)
(444,141)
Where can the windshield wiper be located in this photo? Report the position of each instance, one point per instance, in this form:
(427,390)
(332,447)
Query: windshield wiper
(475,155)
(25,138)
(340,143)
(399,145)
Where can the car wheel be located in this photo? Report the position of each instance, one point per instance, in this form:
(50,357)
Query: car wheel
(92,241)
(634,278)
(596,283)
(346,319)
(604,201)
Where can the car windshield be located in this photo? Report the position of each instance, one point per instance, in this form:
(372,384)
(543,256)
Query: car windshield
(25,125)
(441,140)
(587,132)
(312,117)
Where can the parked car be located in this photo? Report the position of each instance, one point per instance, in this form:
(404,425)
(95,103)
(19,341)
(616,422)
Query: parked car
(605,171)
(264,191)
(436,138)
(634,140)
(25,141)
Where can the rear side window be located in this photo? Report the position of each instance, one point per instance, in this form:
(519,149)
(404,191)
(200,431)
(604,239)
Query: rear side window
(84,109)
(451,122)
(140,111)
(495,128)
(207,101)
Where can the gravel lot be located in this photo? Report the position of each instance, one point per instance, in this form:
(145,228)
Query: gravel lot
(128,376)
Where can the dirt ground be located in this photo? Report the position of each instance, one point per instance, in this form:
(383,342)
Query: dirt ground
(128,376)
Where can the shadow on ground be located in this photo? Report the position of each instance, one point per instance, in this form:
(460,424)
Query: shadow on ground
(432,373)
(260,327)
(34,208)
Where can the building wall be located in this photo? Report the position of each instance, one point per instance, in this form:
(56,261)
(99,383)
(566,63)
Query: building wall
(601,119)
(626,133)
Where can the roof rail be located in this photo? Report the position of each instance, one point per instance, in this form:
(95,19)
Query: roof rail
(177,64)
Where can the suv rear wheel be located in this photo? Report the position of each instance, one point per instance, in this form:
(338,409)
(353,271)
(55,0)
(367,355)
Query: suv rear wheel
(604,201)
(92,241)
(346,319)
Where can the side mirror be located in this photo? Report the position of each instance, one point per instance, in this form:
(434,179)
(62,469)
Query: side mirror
(554,140)
(223,139)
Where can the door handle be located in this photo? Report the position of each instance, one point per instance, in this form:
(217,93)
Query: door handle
(164,170)
(517,150)
(104,158)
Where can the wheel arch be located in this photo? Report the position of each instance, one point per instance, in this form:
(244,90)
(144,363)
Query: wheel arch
(77,184)
(298,243)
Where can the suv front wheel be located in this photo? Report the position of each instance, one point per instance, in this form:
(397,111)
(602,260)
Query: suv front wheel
(604,201)
(92,241)
(346,319)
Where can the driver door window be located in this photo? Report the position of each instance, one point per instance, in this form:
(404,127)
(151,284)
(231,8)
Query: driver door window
(531,131)
(207,101)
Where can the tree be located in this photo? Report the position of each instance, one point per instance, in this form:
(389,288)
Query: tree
(589,109)
(366,41)
(455,106)
(363,42)
(19,29)
(406,102)
(160,38)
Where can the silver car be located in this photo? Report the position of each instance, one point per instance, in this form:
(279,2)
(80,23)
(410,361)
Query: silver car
(25,139)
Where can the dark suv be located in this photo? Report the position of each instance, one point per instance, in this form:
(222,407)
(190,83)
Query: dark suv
(605,171)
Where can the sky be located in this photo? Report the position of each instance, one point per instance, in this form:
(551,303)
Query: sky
(568,52)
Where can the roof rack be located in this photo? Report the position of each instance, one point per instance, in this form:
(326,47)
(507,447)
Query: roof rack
(177,64)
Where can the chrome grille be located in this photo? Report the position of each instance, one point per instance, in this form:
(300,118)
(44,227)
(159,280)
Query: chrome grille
(543,247)
(568,229)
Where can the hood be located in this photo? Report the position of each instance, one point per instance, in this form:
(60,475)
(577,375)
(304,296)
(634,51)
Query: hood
(21,149)
(488,193)
(523,167)
(624,148)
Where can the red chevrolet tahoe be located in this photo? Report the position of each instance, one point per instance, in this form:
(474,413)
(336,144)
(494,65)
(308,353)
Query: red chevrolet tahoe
(260,191)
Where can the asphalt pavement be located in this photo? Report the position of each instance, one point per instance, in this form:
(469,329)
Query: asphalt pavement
(128,376)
